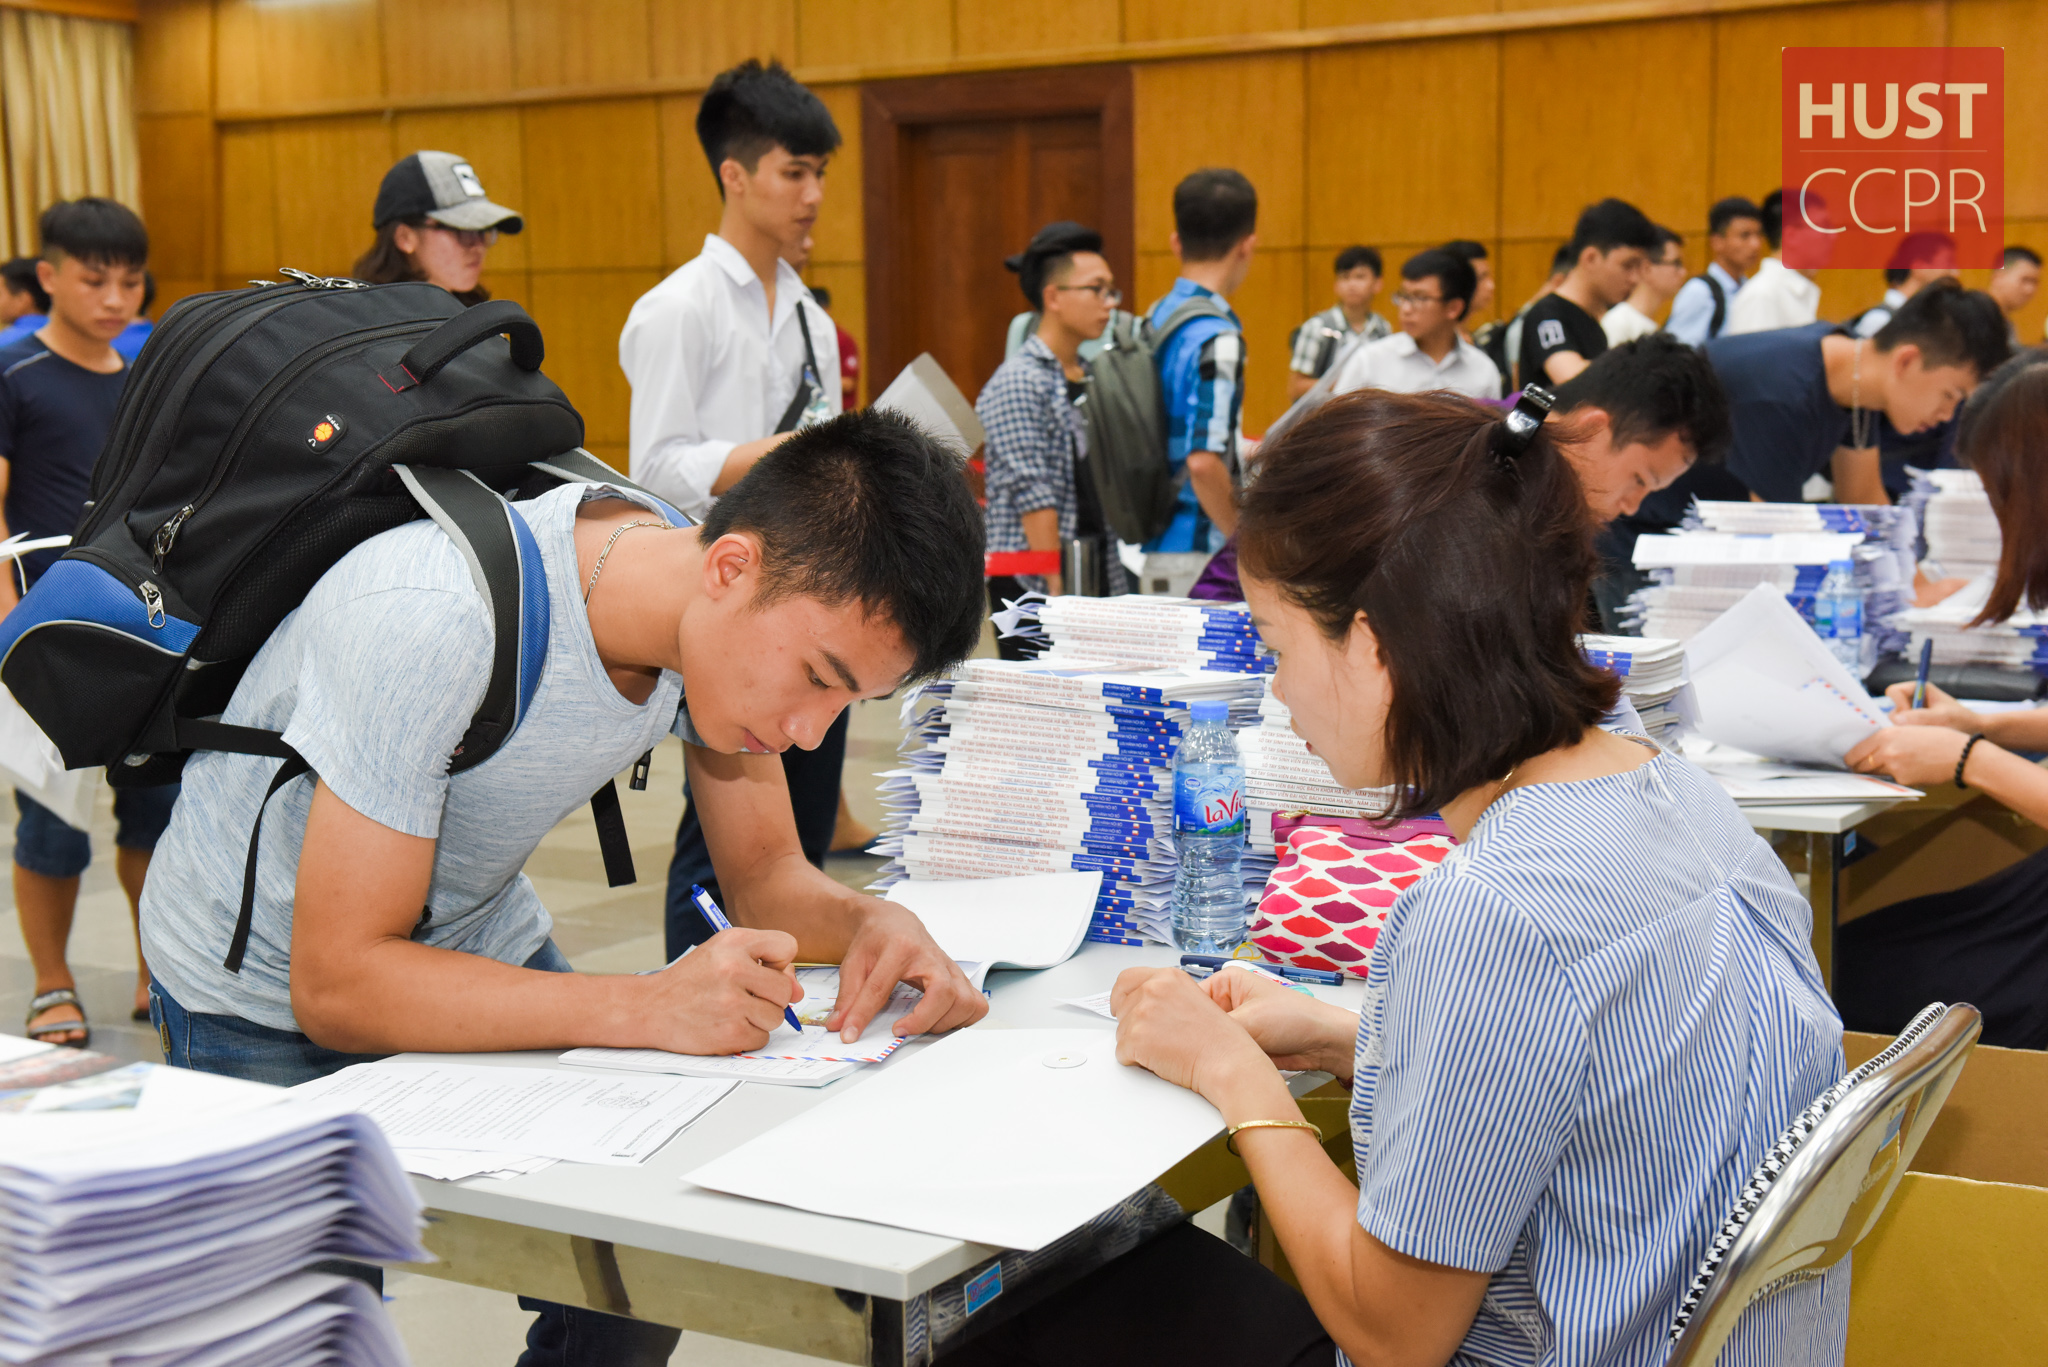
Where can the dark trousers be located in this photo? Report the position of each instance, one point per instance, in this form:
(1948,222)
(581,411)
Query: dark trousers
(1186,1297)
(814,798)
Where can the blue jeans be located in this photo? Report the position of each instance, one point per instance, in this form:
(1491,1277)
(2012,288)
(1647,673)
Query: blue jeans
(562,1335)
(44,844)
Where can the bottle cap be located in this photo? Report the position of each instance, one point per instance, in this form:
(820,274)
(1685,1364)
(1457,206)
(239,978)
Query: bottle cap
(1210,709)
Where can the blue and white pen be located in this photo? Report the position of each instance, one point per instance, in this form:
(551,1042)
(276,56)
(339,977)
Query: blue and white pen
(1287,971)
(716,920)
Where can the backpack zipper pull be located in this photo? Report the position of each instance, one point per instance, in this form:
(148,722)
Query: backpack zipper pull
(638,783)
(153,599)
(160,545)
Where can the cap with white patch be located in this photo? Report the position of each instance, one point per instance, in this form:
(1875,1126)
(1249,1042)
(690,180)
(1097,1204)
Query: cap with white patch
(443,187)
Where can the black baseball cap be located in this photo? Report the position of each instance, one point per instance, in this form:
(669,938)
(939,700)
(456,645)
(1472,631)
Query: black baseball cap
(443,187)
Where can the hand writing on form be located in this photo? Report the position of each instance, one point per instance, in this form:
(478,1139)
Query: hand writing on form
(727,995)
(1922,744)
(890,946)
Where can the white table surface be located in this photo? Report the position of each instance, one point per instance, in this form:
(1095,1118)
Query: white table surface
(1825,818)
(650,1207)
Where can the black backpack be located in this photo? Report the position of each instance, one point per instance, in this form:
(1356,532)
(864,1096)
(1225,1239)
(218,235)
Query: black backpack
(1126,412)
(1720,293)
(262,435)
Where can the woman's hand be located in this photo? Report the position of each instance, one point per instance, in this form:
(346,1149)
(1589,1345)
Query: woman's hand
(1167,1024)
(1941,710)
(1296,1030)
(1913,755)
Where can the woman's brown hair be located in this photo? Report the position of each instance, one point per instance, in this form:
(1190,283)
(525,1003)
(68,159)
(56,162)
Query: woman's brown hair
(385,263)
(1471,566)
(2003,436)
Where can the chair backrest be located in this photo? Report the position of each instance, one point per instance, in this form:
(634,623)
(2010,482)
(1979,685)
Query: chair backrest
(1822,1186)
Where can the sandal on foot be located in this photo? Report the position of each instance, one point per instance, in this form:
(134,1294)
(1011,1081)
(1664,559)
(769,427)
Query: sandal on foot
(62,996)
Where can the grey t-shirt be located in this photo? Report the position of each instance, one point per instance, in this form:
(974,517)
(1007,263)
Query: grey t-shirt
(374,679)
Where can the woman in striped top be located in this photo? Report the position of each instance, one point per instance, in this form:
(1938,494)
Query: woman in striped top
(1581,1032)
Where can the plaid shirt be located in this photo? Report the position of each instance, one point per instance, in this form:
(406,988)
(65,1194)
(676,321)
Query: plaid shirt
(1033,436)
(1315,346)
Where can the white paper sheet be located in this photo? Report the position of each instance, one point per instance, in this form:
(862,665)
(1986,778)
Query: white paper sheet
(782,1072)
(1763,682)
(1005,1137)
(1745,548)
(1033,921)
(925,394)
(573,1116)
(1098,1003)
(459,1165)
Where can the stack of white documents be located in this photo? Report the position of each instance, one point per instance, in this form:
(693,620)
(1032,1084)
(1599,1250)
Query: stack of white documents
(1962,532)
(2015,642)
(148,1213)
(1137,630)
(1020,767)
(1764,683)
(1652,670)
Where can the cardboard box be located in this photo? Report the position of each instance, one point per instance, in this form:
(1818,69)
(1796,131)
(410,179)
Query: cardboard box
(1953,1273)
(1994,1127)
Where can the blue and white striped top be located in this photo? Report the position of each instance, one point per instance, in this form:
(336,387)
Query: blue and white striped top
(1587,1027)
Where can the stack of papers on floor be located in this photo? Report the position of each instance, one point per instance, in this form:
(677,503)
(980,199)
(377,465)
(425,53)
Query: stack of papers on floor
(2017,641)
(1962,533)
(1023,767)
(1758,782)
(144,1210)
(1763,682)
(1652,670)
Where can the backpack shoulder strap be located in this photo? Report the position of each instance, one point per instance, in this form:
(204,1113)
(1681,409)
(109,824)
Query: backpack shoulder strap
(1201,306)
(578,466)
(1720,293)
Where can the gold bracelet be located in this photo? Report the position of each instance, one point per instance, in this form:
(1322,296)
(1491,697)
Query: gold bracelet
(1230,1135)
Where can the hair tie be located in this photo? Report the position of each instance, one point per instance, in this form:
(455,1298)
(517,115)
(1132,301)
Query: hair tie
(1518,427)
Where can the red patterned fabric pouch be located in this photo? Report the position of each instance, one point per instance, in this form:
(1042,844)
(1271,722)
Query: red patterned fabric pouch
(1337,880)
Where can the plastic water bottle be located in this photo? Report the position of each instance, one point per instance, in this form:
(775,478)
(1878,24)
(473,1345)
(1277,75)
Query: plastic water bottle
(1209,903)
(1838,615)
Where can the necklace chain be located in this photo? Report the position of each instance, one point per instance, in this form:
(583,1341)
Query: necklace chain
(610,542)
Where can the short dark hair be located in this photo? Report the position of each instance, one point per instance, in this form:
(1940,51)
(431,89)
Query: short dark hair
(2015,252)
(751,108)
(98,232)
(1351,258)
(1651,387)
(822,295)
(1050,251)
(1214,209)
(1468,249)
(20,276)
(1453,274)
(2000,434)
(1612,224)
(1472,573)
(867,508)
(1563,259)
(1665,237)
(1726,211)
(1951,326)
(1774,218)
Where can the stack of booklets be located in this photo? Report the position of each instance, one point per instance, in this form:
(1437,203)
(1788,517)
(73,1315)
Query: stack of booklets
(1019,767)
(1136,631)
(1652,671)
(154,1215)
(1962,536)
(1727,549)
(2018,641)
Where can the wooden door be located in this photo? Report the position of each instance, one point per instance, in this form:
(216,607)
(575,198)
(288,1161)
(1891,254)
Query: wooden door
(960,172)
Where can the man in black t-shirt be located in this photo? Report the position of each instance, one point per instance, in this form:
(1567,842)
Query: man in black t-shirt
(1561,333)
(58,389)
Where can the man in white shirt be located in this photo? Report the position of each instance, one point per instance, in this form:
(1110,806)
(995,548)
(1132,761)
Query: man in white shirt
(727,357)
(1427,353)
(1776,296)
(1735,239)
(1636,316)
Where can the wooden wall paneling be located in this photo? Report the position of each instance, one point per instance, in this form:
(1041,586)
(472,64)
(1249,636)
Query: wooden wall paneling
(516,285)
(2021,28)
(841,233)
(865,33)
(284,56)
(178,195)
(580,42)
(1244,112)
(328,171)
(116,11)
(1844,294)
(985,28)
(1621,110)
(1153,20)
(1338,13)
(592,173)
(1520,267)
(581,314)
(492,141)
(848,283)
(1403,142)
(448,47)
(174,58)
(690,206)
(697,39)
(1746,76)
(248,200)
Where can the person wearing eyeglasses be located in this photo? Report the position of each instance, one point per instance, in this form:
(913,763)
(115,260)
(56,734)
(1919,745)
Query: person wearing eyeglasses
(1428,352)
(1039,492)
(1636,316)
(434,223)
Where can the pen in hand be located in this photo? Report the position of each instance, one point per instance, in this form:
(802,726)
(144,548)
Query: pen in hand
(1920,683)
(716,919)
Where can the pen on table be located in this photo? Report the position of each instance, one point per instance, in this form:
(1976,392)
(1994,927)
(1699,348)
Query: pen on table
(1920,683)
(1287,971)
(717,920)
